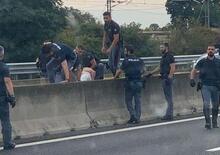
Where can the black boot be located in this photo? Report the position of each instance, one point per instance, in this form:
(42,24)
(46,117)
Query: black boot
(214,118)
(206,112)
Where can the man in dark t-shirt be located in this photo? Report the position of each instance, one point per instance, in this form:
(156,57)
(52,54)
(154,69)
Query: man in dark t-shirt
(133,67)
(112,42)
(167,69)
(61,62)
(6,97)
(209,74)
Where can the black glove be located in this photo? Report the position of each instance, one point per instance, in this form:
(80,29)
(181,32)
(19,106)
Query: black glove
(11,100)
(148,75)
(199,86)
(192,83)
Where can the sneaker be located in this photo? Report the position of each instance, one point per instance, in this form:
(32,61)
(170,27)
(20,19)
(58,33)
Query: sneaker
(130,121)
(215,126)
(10,147)
(167,118)
(208,126)
(136,121)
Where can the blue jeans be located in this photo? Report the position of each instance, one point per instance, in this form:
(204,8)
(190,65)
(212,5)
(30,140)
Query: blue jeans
(55,72)
(133,90)
(114,58)
(5,122)
(99,71)
(210,93)
(167,89)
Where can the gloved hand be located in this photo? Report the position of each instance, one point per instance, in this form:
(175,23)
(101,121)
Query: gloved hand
(199,86)
(148,75)
(11,100)
(192,83)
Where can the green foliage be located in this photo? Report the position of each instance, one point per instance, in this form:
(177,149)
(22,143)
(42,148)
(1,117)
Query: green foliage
(142,43)
(193,41)
(24,25)
(184,11)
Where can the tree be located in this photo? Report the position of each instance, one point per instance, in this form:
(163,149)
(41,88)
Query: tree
(154,27)
(184,11)
(132,34)
(24,25)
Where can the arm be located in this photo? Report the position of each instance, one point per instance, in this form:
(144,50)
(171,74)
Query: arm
(193,73)
(115,41)
(9,86)
(172,70)
(104,42)
(66,70)
(118,73)
(93,64)
(157,69)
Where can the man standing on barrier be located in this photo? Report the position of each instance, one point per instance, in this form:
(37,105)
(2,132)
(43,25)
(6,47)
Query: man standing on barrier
(112,42)
(209,74)
(167,70)
(133,68)
(6,97)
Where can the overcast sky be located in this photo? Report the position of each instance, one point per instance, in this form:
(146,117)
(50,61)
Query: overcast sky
(144,12)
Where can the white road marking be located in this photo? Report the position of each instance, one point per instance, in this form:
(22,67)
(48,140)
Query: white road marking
(214,150)
(106,132)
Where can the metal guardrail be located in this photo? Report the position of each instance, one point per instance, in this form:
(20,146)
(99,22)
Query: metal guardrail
(30,67)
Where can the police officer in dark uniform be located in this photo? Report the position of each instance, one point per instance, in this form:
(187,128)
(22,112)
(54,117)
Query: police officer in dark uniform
(87,59)
(62,59)
(209,74)
(112,42)
(167,70)
(6,97)
(133,68)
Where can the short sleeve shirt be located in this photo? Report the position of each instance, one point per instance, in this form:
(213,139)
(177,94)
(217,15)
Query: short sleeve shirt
(111,29)
(133,67)
(209,71)
(4,72)
(165,62)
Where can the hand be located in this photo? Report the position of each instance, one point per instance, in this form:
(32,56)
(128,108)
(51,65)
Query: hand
(108,50)
(170,76)
(192,83)
(103,50)
(11,100)
(148,75)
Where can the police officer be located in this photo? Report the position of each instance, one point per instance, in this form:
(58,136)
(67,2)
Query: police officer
(6,97)
(87,59)
(167,70)
(62,59)
(112,42)
(133,68)
(209,74)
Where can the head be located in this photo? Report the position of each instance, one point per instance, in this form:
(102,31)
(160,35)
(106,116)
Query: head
(49,49)
(129,49)
(164,48)
(2,52)
(107,17)
(211,51)
(79,49)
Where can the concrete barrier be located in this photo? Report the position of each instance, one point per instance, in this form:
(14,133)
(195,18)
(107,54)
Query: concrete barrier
(47,109)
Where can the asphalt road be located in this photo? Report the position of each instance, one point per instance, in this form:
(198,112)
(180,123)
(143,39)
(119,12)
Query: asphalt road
(179,138)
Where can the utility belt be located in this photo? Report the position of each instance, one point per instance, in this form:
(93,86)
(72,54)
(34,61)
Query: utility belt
(134,84)
(164,76)
(200,85)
